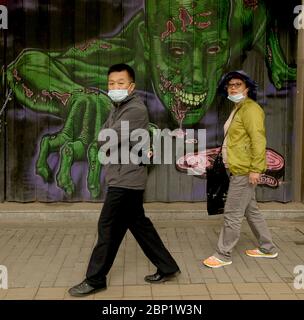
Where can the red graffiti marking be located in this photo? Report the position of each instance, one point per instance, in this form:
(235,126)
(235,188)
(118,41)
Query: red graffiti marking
(15,75)
(92,90)
(205,14)
(203,25)
(85,46)
(46,94)
(268,180)
(199,161)
(63,97)
(170,29)
(105,46)
(253,4)
(185,18)
(166,84)
(28,92)
(269,54)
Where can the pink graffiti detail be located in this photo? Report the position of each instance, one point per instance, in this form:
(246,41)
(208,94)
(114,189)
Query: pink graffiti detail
(197,162)
(28,92)
(275,161)
(203,25)
(92,90)
(85,46)
(168,85)
(269,54)
(185,18)
(179,110)
(252,4)
(268,180)
(165,82)
(15,75)
(46,94)
(63,97)
(105,46)
(205,14)
(170,29)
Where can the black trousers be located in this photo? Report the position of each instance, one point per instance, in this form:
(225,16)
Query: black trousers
(123,210)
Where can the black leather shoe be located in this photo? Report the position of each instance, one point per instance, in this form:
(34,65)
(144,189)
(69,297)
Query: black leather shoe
(84,289)
(159,277)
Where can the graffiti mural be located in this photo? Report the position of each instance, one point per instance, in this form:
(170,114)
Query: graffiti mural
(198,162)
(179,50)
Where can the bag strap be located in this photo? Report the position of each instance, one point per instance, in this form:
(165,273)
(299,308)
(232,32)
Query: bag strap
(227,131)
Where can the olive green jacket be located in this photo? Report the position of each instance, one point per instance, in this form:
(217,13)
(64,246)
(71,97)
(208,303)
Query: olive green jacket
(246,139)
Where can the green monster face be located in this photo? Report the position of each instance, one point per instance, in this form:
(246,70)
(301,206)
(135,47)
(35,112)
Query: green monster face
(188,49)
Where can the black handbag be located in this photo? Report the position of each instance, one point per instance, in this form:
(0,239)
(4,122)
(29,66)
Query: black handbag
(217,183)
(217,186)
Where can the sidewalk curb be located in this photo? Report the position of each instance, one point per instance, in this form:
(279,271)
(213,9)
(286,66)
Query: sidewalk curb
(64,215)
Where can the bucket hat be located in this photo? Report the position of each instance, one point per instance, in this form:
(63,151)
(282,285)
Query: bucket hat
(238,74)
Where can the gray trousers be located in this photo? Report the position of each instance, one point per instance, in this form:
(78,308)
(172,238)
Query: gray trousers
(241,202)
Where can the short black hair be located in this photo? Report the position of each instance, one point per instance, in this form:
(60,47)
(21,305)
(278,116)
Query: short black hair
(236,76)
(122,67)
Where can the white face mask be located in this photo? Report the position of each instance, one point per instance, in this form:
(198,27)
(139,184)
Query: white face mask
(118,95)
(236,98)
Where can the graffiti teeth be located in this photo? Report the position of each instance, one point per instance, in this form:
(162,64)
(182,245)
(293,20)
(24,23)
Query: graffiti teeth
(192,100)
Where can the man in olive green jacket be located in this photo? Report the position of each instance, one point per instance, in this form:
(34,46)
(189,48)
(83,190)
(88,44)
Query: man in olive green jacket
(245,156)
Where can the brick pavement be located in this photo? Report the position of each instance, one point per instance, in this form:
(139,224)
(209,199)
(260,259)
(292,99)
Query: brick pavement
(45,258)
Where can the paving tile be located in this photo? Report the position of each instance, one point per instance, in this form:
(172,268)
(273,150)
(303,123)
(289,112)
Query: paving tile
(294,290)
(210,280)
(263,280)
(283,297)
(21,294)
(116,276)
(198,297)
(55,258)
(160,290)
(222,276)
(193,289)
(221,288)
(276,288)
(234,275)
(167,297)
(67,296)
(3,293)
(268,269)
(137,298)
(109,293)
(50,294)
(249,288)
(225,297)
(254,297)
(281,269)
(140,291)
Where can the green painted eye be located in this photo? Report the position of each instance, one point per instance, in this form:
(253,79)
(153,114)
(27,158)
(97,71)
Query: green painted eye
(177,52)
(214,49)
